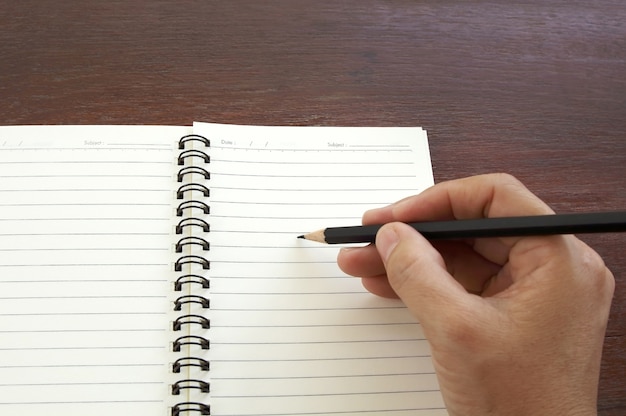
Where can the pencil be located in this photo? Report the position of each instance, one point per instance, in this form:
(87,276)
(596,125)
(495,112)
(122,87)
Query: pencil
(535,225)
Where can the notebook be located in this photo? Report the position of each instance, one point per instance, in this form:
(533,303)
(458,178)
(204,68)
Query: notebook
(156,270)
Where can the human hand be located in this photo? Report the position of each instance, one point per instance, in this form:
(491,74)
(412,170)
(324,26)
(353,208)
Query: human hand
(516,325)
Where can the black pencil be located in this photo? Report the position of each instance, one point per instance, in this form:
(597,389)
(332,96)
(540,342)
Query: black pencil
(577,223)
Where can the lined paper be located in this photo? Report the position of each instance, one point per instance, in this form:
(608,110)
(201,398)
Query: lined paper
(85,220)
(290,334)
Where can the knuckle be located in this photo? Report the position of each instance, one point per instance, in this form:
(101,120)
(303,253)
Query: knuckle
(506,178)
(599,277)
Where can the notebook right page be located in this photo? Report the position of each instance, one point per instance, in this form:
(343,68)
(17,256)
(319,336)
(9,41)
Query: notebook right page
(290,333)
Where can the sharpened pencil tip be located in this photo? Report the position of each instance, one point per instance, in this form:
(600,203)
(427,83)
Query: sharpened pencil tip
(314,236)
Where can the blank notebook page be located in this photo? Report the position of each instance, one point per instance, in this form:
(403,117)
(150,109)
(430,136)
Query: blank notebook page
(290,333)
(85,220)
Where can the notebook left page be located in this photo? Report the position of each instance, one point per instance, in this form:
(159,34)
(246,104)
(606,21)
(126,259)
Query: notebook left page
(85,223)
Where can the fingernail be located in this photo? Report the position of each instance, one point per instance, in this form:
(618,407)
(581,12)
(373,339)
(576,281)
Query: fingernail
(386,240)
(348,249)
(373,211)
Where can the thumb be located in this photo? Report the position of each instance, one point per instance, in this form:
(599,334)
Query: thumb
(418,275)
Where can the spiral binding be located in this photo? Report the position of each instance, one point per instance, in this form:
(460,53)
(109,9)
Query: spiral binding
(201,300)
(185,241)
(192,204)
(185,210)
(190,362)
(191,279)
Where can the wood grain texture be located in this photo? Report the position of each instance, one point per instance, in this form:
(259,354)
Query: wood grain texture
(536,89)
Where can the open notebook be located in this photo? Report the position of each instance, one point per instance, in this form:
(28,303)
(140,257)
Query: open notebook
(155,270)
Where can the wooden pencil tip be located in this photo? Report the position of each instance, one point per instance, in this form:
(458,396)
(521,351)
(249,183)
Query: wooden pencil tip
(317,236)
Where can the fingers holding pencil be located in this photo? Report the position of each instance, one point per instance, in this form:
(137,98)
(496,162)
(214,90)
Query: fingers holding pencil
(459,199)
(482,196)
(472,260)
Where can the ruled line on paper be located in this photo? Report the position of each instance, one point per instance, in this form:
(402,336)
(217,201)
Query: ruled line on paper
(387,411)
(316,176)
(313,359)
(359,393)
(318,163)
(103,383)
(268,231)
(88,219)
(93,234)
(270,261)
(330,377)
(74,348)
(58,331)
(281,277)
(87,365)
(249,246)
(391,188)
(81,297)
(65,402)
(86,281)
(82,264)
(122,146)
(86,176)
(353,148)
(378,146)
(292,293)
(39,162)
(73,249)
(330,325)
(284,217)
(84,190)
(349,342)
(303,204)
(336,309)
(125,313)
(85,204)
(137,146)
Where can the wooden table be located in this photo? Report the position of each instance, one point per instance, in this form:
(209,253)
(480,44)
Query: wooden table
(536,89)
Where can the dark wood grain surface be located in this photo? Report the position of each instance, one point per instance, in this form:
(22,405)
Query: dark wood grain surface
(537,89)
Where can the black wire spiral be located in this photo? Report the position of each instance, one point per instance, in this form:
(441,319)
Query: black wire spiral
(185,192)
